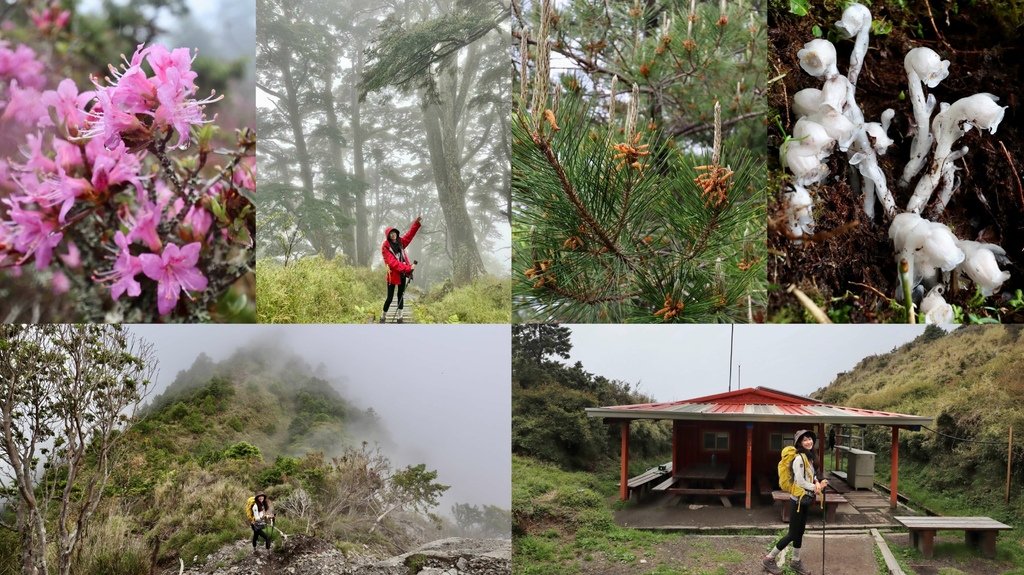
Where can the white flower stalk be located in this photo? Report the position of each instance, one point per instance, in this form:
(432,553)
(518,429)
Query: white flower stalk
(836,125)
(856,23)
(804,152)
(949,125)
(926,246)
(799,215)
(923,65)
(818,58)
(863,156)
(806,102)
(981,264)
(880,140)
(935,309)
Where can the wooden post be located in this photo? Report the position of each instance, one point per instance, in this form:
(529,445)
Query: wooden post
(750,457)
(624,475)
(894,471)
(675,447)
(821,450)
(1009,458)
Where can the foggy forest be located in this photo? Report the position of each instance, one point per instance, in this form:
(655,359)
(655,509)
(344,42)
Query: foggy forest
(371,114)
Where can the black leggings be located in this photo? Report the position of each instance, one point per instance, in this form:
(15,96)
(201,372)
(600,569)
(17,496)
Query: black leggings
(256,534)
(797,524)
(391,295)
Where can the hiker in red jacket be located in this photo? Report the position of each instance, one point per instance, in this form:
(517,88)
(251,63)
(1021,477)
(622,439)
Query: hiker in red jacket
(398,263)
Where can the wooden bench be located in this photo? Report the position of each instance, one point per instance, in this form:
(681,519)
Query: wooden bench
(979,532)
(832,501)
(642,483)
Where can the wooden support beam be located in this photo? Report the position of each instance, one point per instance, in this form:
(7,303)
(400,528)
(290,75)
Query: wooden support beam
(894,472)
(750,457)
(624,475)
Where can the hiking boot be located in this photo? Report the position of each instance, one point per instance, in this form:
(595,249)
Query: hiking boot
(383,317)
(798,568)
(401,319)
(771,566)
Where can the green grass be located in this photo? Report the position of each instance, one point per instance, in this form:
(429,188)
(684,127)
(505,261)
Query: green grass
(486,300)
(315,290)
(562,518)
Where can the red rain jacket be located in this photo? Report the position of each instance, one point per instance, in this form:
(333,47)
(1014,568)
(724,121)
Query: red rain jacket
(395,267)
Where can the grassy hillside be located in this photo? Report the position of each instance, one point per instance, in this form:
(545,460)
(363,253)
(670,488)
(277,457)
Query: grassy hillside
(314,290)
(972,382)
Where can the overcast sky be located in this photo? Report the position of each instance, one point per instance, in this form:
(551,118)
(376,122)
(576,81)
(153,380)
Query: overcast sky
(443,392)
(682,362)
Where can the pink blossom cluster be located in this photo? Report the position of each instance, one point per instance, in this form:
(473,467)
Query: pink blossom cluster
(92,192)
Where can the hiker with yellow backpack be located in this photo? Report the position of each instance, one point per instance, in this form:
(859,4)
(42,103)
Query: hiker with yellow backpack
(797,477)
(258,512)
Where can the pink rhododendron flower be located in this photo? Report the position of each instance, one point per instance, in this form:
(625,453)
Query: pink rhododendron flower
(60,283)
(166,97)
(20,64)
(73,259)
(68,103)
(174,271)
(35,233)
(26,107)
(62,189)
(37,160)
(126,267)
(144,223)
(112,166)
(245,175)
(51,19)
(196,224)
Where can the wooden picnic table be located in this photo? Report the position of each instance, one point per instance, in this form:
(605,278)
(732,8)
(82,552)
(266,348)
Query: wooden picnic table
(714,474)
(641,483)
(832,501)
(979,532)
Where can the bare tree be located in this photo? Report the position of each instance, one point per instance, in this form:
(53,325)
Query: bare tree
(67,394)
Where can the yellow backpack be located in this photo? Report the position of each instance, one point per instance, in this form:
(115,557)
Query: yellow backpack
(786,482)
(248,509)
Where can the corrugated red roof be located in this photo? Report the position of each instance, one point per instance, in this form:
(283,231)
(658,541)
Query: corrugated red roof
(756,404)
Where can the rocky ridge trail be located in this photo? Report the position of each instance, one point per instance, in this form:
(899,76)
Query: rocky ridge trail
(303,555)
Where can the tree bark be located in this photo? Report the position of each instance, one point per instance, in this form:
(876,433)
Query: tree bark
(363,248)
(348,239)
(441,116)
(315,236)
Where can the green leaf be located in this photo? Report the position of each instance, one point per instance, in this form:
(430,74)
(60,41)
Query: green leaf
(799,7)
(816,30)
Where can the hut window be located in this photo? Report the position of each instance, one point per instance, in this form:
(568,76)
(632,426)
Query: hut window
(777,441)
(716,441)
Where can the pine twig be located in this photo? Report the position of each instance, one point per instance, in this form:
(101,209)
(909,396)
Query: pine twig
(570,192)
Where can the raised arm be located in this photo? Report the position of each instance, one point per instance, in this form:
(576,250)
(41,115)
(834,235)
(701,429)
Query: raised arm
(409,235)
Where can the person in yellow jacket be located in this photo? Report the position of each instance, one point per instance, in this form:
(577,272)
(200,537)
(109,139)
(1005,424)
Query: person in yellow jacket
(804,488)
(258,513)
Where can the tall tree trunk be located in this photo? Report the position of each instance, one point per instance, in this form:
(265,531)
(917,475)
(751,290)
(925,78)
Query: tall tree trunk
(314,233)
(451,190)
(337,165)
(363,251)
(442,115)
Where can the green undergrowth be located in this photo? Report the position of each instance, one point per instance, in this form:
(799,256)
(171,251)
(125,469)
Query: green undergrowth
(561,521)
(485,300)
(316,290)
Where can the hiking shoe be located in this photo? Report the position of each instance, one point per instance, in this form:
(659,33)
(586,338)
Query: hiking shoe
(400,320)
(383,317)
(771,566)
(798,568)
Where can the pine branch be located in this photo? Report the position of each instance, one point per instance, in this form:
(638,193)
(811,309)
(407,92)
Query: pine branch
(545,147)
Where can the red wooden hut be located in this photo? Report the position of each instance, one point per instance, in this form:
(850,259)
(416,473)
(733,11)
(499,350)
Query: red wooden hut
(738,435)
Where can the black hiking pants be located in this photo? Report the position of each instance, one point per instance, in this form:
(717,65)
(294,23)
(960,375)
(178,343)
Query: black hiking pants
(257,533)
(797,524)
(391,295)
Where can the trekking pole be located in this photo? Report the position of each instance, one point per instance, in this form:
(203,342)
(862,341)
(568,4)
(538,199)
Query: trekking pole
(272,529)
(822,532)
